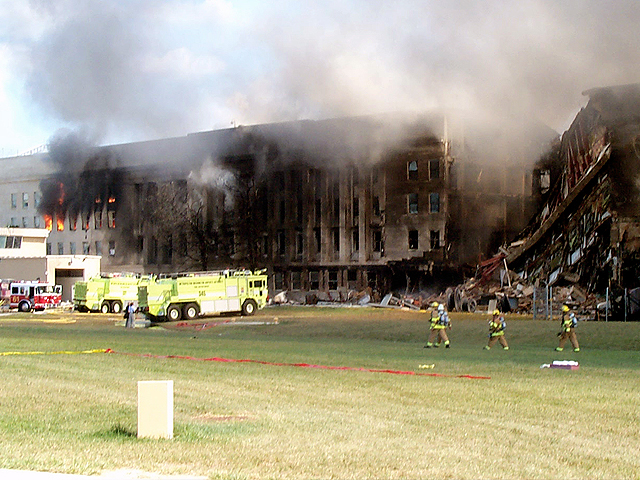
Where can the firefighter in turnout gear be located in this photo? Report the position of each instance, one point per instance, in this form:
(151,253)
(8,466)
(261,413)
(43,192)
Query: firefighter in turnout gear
(439,323)
(568,325)
(496,331)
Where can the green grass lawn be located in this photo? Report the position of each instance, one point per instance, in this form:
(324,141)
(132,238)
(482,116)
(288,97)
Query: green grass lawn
(78,413)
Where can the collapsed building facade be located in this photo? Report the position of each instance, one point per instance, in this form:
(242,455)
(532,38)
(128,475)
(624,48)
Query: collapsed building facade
(376,203)
(587,227)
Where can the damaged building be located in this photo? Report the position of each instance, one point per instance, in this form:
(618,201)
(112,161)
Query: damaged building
(381,203)
(587,227)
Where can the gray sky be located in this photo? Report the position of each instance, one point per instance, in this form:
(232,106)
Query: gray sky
(128,70)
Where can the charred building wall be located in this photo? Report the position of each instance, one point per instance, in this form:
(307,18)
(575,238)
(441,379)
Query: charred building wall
(588,221)
(334,205)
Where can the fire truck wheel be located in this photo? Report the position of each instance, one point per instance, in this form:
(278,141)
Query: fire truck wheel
(249,307)
(191,311)
(24,307)
(104,308)
(116,307)
(174,313)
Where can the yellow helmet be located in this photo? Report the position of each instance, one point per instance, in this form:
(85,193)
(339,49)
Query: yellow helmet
(434,305)
(496,312)
(565,308)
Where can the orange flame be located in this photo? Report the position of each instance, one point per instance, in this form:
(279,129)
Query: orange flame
(112,199)
(60,223)
(48,222)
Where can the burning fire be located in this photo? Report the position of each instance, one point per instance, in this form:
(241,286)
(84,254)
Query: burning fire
(112,199)
(48,222)
(60,223)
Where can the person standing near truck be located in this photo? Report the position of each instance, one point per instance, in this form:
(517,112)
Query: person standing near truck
(130,315)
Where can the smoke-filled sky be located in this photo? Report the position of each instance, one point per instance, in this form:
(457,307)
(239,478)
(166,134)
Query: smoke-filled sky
(129,70)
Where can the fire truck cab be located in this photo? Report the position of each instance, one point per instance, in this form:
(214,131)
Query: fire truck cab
(28,296)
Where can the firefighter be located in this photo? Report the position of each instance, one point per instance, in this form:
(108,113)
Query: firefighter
(568,325)
(439,325)
(433,320)
(496,331)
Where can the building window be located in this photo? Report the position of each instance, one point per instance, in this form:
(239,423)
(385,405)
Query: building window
(10,241)
(85,248)
(73,223)
(265,245)
(355,240)
(60,248)
(333,280)
(14,200)
(296,280)
(434,169)
(97,219)
(25,222)
(25,200)
(48,248)
(72,248)
(376,206)
(111,219)
(85,221)
(278,280)
(434,202)
(281,242)
(356,209)
(299,243)
(435,239)
(335,232)
(376,240)
(60,223)
(14,222)
(36,199)
(98,247)
(112,248)
(36,221)
(412,200)
(413,239)
(412,170)
(317,235)
(318,211)
(282,212)
(314,280)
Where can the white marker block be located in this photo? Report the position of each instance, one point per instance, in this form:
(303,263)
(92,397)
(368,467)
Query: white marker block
(155,409)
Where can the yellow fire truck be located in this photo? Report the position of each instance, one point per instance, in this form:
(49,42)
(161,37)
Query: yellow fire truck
(187,295)
(107,293)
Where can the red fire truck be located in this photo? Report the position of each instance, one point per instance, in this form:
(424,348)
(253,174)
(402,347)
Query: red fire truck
(27,296)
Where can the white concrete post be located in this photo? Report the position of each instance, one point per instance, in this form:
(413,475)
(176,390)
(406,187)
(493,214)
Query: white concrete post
(155,409)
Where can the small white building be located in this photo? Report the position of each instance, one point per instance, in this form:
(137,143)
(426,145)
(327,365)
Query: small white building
(23,256)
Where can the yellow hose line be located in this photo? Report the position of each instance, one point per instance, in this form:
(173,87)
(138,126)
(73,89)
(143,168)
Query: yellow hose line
(63,352)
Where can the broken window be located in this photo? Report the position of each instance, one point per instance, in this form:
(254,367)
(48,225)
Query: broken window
(281,211)
(85,248)
(355,240)
(413,239)
(296,281)
(278,279)
(356,209)
(281,242)
(111,219)
(72,248)
(412,170)
(265,245)
(545,181)
(434,202)
(333,280)
(435,239)
(335,232)
(73,222)
(318,211)
(376,205)
(60,248)
(299,243)
(376,240)
(314,280)
(112,248)
(317,235)
(25,200)
(412,200)
(434,168)
(98,247)
(97,219)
